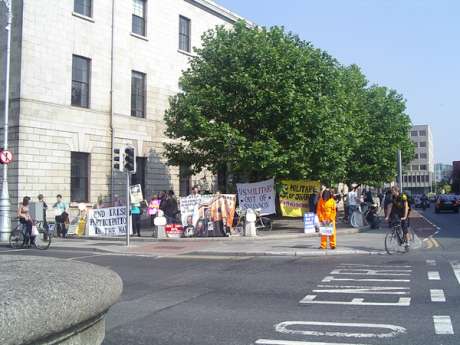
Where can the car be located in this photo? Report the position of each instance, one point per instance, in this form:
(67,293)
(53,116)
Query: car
(447,203)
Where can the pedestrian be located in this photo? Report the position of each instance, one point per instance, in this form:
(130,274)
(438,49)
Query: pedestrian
(387,200)
(352,199)
(26,220)
(61,216)
(313,200)
(117,202)
(45,208)
(327,214)
(195,191)
(171,208)
(153,207)
(136,212)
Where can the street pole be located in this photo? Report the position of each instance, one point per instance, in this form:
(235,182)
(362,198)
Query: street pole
(5,222)
(128,209)
(400,171)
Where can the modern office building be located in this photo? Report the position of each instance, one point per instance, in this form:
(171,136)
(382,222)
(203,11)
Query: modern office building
(418,176)
(88,76)
(443,172)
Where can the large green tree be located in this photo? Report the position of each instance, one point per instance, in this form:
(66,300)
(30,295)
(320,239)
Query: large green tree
(263,103)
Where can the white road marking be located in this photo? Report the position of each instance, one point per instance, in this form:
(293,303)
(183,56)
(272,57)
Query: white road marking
(442,324)
(433,275)
(283,327)
(456,267)
(377,290)
(437,295)
(375,266)
(86,256)
(291,342)
(431,262)
(402,302)
(369,272)
(329,279)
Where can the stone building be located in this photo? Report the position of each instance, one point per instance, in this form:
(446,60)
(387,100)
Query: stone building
(418,177)
(88,76)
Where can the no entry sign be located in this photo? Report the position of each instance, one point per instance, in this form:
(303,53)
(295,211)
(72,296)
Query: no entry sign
(6,157)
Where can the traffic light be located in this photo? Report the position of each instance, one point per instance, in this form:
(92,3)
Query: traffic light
(117,159)
(130,160)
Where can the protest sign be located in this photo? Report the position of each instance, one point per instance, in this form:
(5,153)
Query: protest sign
(135,194)
(107,221)
(205,209)
(294,196)
(259,195)
(309,223)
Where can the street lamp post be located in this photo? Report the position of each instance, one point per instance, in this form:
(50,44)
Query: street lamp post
(5,223)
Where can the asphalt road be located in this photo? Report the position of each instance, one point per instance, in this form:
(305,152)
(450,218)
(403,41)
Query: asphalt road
(375,299)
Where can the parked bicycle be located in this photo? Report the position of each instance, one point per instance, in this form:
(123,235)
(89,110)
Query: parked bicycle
(262,223)
(42,240)
(395,242)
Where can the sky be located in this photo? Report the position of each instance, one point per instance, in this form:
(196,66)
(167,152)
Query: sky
(412,46)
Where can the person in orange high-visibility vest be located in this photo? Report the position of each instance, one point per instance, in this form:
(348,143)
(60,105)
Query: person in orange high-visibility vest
(327,213)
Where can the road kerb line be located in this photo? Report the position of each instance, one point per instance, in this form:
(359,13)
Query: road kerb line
(442,324)
(433,275)
(292,342)
(456,267)
(437,295)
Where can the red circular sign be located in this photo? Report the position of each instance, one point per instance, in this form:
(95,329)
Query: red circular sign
(6,157)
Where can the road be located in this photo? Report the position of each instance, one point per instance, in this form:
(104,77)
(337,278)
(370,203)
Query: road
(228,300)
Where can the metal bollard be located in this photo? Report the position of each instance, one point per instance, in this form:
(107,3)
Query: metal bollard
(250,223)
(160,222)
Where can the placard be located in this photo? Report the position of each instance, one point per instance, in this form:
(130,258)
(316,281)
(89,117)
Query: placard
(326,230)
(295,195)
(309,223)
(107,222)
(258,195)
(135,194)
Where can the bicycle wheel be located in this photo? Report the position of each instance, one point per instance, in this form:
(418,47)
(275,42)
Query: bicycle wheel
(392,242)
(43,239)
(268,224)
(16,239)
(356,219)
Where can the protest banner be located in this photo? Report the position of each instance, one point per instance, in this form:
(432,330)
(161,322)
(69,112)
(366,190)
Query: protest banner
(135,194)
(294,196)
(107,222)
(258,195)
(199,212)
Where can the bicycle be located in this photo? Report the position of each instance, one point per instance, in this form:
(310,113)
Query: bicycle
(395,241)
(358,217)
(262,223)
(19,239)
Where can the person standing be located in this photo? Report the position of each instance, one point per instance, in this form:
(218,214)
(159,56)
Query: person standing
(171,208)
(26,220)
(136,212)
(152,209)
(352,199)
(45,207)
(327,214)
(61,216)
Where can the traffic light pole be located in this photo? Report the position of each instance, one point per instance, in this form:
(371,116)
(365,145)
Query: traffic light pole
(128,209)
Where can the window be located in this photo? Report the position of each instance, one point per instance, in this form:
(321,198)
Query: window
(410,179)
(416,156)
(422,144)
(423,167)
(184,34)
(80,81)
(83,7)
(79,177)
(418,178)
(413,133)
(405,179)
(423,156)
(138,26)
(427,178)
(414,167)
(139,176)
(422,133)
(137,94)
(415,144)
(185,180)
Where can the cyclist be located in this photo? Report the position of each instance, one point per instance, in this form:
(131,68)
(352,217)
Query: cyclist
(26,220)
(398,211)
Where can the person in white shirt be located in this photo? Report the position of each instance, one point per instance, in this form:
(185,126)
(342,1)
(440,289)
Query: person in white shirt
(352,198)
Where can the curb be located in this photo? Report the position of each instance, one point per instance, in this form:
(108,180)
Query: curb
(326,252)
(347,231)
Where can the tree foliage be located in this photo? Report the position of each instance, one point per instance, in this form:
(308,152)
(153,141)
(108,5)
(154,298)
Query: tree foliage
(263,103)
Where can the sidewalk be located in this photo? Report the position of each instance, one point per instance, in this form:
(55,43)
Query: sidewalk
(286,239)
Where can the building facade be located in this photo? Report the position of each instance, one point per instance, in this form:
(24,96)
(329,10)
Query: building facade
(89,76)
(443,172)
(418,176)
